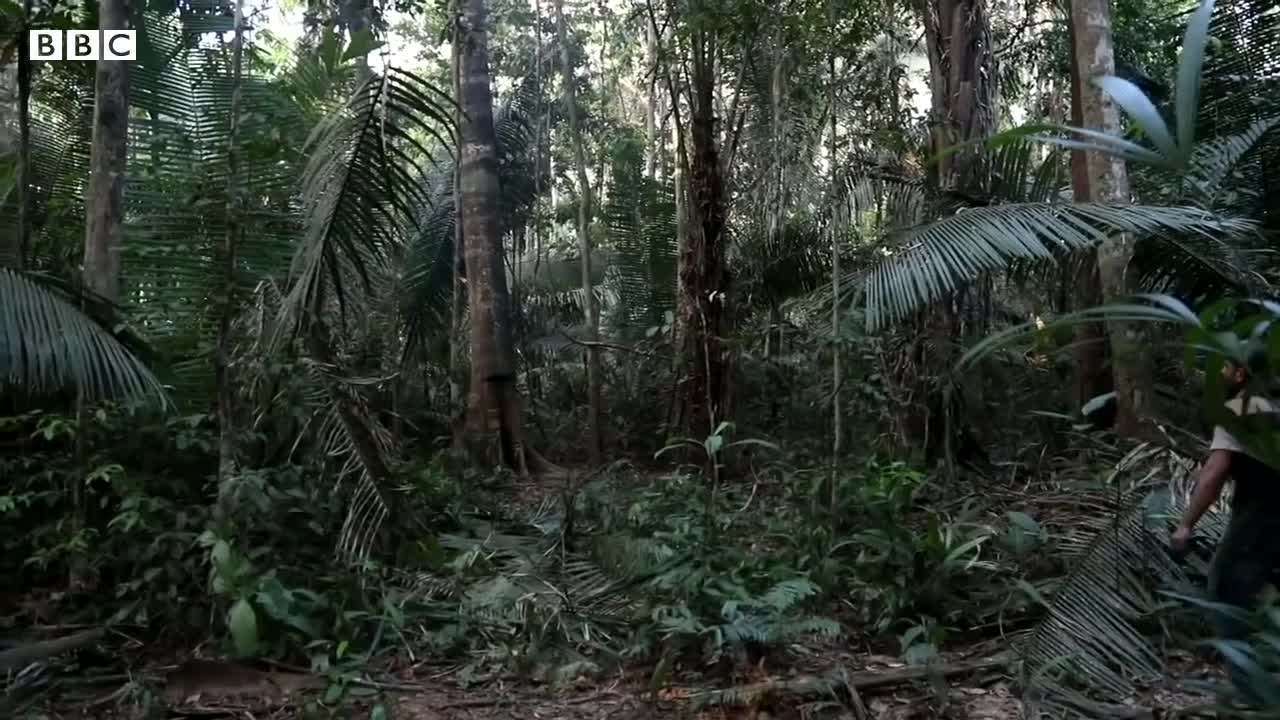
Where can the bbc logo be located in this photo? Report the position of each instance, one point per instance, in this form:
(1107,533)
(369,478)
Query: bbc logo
(87,45)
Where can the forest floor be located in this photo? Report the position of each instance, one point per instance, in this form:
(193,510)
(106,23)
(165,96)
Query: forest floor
(134,680)
(970,685)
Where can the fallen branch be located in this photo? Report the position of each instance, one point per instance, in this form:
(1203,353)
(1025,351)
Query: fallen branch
(862,680)
(25,655)
(605,345)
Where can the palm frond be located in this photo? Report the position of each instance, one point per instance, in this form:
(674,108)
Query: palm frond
(1091,644)
(640,217)
(363,189)
(177,200)
(941,256)
(1214,160)
(49,345)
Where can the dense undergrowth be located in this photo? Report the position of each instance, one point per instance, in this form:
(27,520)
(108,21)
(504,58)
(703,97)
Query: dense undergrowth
(654,563)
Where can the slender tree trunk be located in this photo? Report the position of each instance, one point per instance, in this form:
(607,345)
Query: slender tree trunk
(1090,338)
(837,359)
(457,400)
(651,104)
(704,277)
(104,219)
(590,308)
(227,445)
(494,398)
(1109,182)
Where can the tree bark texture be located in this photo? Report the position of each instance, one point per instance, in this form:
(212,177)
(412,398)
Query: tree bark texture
(704,280)
(1091,339)
(105,197)
(1109,183)
(104,225)
(494,402)
(962,82)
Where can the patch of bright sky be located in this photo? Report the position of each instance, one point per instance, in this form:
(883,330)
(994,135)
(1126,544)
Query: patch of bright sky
(283,19)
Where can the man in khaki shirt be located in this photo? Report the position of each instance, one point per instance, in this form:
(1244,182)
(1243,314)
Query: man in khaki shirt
(1249,553)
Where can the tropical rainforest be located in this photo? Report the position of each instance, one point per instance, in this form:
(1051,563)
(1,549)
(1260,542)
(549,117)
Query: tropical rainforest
(630,358)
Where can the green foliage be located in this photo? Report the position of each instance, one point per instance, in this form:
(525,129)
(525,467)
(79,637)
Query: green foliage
(908,565)
(640,216)
(1256,661)
(48,345)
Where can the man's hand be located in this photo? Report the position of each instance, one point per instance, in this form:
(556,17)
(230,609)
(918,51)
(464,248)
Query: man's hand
(1180,541)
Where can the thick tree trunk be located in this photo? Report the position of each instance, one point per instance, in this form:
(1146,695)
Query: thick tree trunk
(1090,338)
(494,400)
(962,82)
(590,307)
(104,222)
(227,444)
(962,79)
(1109,182)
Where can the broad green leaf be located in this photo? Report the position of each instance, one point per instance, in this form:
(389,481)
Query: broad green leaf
(713,444)
(1190,65)
(1141,111)
(243,623)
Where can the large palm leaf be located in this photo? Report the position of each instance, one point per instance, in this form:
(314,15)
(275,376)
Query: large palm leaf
(364,188)
(640,217)
(177,200)
(47,344)
(1091,645)
(941,256)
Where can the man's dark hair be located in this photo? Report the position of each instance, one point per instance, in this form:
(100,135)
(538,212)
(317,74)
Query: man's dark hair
(1254,363)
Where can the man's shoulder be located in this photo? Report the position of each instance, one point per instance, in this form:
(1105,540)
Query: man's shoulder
(1257,405)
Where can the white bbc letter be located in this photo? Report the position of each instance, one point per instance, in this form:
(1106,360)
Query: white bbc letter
(45,44)
(83,45)
(119,44)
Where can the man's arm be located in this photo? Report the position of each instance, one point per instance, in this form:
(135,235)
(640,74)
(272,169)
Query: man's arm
(1213,477)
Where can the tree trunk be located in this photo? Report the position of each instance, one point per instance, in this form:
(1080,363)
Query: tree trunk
(678,175)
(962,80)
(457,399)
(1109,182)
(704,278)
(104,224)
(227,445)
(1090,338)
(22,238)
(590,307)
(837,360)
(494,401)
(105,196)
(651,104)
